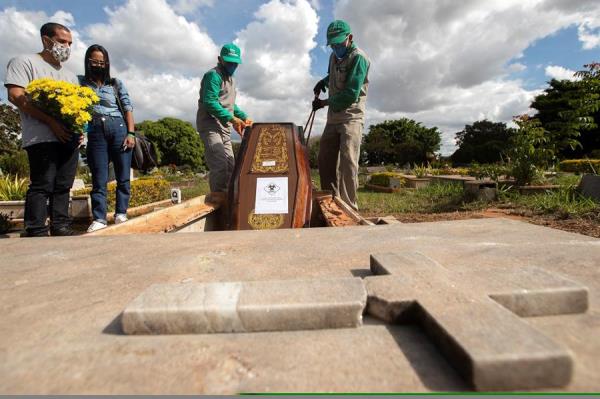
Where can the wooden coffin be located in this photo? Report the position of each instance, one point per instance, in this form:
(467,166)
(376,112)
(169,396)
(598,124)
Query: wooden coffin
(270,187)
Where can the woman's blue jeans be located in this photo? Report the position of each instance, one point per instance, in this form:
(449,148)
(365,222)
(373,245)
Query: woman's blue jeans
(105,144)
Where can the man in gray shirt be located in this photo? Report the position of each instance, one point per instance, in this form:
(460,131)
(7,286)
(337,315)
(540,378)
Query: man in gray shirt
(52,156)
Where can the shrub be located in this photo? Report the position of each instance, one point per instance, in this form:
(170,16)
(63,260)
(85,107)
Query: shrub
(421,170)
(449,171)
(383,178)
(13,189)
(15,163)
(580,166)
(491,171)
(143,191)
(83,173)
(530,150)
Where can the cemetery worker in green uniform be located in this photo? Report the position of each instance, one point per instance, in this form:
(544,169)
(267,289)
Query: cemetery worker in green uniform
(217,113)
(347,82)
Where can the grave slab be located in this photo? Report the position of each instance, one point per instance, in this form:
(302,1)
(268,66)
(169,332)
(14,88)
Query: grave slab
(286,305)
(60,300)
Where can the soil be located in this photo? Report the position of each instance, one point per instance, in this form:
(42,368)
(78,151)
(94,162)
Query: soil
(333,214)
(588,225)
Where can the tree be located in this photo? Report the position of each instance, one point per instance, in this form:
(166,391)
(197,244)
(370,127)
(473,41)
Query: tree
(482,142)
(176,142)
(10,129)
(400,141)
(570,112)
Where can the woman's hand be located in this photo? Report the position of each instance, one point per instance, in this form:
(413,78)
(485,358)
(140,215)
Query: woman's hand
(129,142)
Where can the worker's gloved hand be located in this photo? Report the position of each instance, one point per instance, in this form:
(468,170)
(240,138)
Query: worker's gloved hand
(238,125)
(248,122)
(319,87)
(318,104)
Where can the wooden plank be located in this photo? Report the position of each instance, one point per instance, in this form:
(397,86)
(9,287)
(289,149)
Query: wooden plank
(165,220)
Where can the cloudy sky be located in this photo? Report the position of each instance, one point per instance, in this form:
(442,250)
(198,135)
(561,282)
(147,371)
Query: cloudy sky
(444,63)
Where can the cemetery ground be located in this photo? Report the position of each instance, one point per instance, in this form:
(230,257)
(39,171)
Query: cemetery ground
(563,209)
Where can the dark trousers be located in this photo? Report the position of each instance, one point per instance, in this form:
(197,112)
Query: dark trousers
(52,170)
(105,144)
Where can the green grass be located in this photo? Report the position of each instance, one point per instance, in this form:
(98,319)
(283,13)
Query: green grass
(565,180)
(199,187)
(435,198)
(438,198)
(564,203)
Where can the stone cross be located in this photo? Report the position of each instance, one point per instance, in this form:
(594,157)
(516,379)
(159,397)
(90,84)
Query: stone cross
(473,318)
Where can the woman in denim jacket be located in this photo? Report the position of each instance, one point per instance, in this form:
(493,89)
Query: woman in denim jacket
(110,136)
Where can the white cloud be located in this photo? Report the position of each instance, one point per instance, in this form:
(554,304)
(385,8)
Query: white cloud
(161,61)
(589,33)
(156,40)
(441,62)
(274,81)
(160,95)
(189,6)
(444,62)
(275,48)
(560,73)
(20,34)
(517,67)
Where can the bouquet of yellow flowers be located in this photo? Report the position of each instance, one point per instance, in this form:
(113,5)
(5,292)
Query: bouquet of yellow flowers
(68,103)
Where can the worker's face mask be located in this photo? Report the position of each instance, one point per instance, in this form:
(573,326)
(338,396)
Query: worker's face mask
(230,67)
(340,50)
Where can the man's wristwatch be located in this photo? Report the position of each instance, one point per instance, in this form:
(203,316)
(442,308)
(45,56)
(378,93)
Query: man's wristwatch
(132,134)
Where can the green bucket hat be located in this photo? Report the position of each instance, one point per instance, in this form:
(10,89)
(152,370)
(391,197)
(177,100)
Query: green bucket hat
(231,53)
(337,32)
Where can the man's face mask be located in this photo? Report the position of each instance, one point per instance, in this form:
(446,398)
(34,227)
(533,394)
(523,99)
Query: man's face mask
(60,52)
(340,50)
(230,67)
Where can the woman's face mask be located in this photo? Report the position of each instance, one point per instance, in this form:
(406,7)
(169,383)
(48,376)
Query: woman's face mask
(60,52)
(97,71)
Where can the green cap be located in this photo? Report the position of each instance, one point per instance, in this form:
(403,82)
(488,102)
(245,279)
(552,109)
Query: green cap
(337,32)
(231,53)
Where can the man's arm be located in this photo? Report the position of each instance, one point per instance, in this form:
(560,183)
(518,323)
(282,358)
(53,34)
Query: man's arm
(211,86)
(17,96)
(239,113)
(354,82)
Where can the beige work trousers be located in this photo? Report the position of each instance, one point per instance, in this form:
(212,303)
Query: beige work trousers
(339,152)
(218,154)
